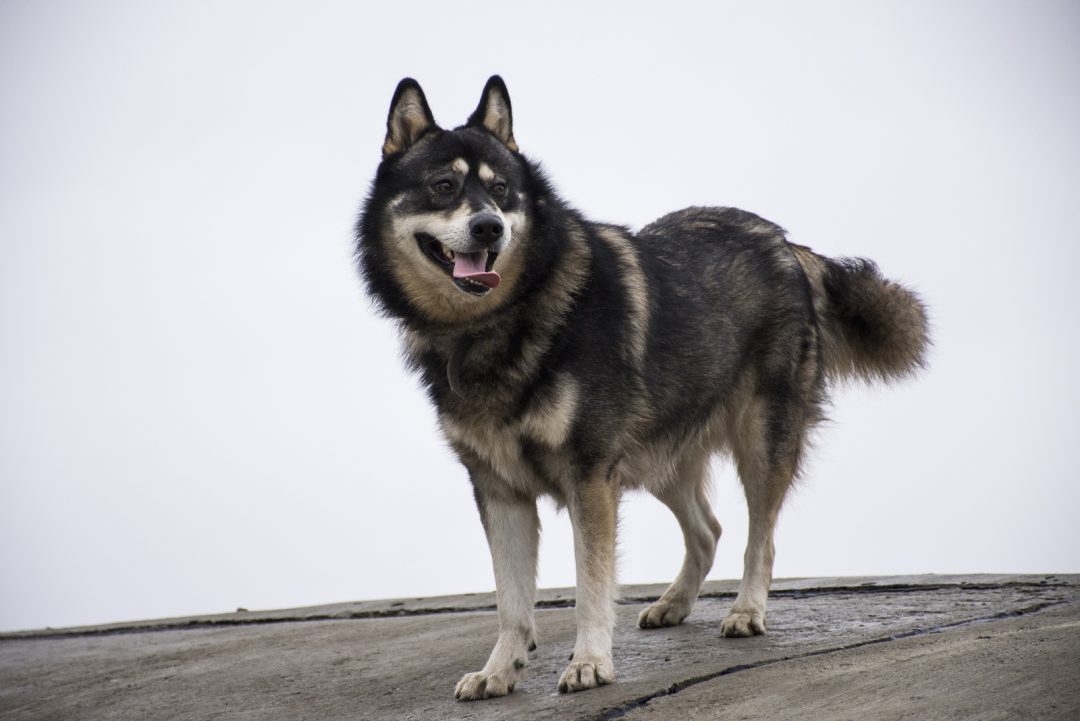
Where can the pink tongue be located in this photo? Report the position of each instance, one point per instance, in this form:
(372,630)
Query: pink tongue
(471,266)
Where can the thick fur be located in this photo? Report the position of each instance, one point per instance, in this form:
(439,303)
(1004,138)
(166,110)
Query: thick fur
(606,360)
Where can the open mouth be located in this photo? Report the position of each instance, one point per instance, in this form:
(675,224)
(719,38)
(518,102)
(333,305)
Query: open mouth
(471,272)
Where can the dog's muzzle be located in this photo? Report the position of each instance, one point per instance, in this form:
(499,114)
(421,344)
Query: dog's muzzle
(470,271)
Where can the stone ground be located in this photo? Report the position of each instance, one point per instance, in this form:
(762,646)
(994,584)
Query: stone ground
(928,647)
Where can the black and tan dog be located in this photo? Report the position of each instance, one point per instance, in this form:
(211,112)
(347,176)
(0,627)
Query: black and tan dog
(574,359)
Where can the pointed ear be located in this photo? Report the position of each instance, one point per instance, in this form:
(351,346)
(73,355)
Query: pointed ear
(410,117)
(493,112)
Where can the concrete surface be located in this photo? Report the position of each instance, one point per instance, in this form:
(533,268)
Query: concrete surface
(928,647)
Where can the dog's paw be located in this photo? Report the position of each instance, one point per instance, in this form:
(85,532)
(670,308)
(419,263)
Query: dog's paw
(743,623)
(587,673)
(481,685)
(664,613)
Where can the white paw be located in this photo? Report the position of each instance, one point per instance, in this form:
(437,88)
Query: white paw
(588,672)
(743,622)
(664,613)
(482,684)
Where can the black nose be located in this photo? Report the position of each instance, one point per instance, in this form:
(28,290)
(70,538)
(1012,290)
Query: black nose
(486,229)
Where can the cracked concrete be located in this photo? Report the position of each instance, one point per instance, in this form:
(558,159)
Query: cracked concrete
(967,647)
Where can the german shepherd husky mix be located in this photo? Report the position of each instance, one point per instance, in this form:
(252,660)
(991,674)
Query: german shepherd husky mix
(577,359)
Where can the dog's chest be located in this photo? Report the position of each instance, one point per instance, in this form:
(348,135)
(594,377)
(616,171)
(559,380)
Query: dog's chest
(546,425)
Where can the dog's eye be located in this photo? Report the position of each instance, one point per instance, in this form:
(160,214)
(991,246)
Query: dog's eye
(443,186)
(498,189)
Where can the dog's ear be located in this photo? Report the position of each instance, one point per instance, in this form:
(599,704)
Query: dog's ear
(493,112)
(410,117)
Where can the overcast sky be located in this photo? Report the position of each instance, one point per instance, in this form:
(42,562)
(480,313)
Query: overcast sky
(199,409)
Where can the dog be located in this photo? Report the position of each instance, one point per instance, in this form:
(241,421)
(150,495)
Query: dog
(577,360)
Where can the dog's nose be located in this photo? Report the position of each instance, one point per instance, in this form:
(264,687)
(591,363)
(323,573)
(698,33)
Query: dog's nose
(486,229)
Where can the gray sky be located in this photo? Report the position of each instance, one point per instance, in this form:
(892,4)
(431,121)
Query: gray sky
(199,409)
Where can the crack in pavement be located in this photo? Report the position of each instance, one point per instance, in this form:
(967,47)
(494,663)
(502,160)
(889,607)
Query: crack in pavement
(394,612)
(870,589)
(672,689)
(197,623)
(156,627)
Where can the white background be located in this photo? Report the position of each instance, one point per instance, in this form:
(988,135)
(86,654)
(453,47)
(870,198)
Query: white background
(199,410)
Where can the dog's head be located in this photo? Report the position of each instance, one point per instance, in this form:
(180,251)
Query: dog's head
(443,228)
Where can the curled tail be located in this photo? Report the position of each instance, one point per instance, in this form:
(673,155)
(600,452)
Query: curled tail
(872,328)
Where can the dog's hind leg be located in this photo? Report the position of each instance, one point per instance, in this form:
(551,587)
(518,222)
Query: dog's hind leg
(688,499)
(593,506)
(767,445)
(513,531)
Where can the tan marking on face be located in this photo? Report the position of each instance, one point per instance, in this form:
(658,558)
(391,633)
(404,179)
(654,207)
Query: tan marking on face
(451,228)
(511,261)
(486,173)
(428,287)
(551,417)
(460,166)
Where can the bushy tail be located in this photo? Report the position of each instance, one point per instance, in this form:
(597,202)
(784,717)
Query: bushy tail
(873,328)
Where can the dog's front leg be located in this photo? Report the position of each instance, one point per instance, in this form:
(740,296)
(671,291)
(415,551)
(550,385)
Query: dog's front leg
(593,506)
(513,530)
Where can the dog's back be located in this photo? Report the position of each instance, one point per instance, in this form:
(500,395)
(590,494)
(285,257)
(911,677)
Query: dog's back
(737,311)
